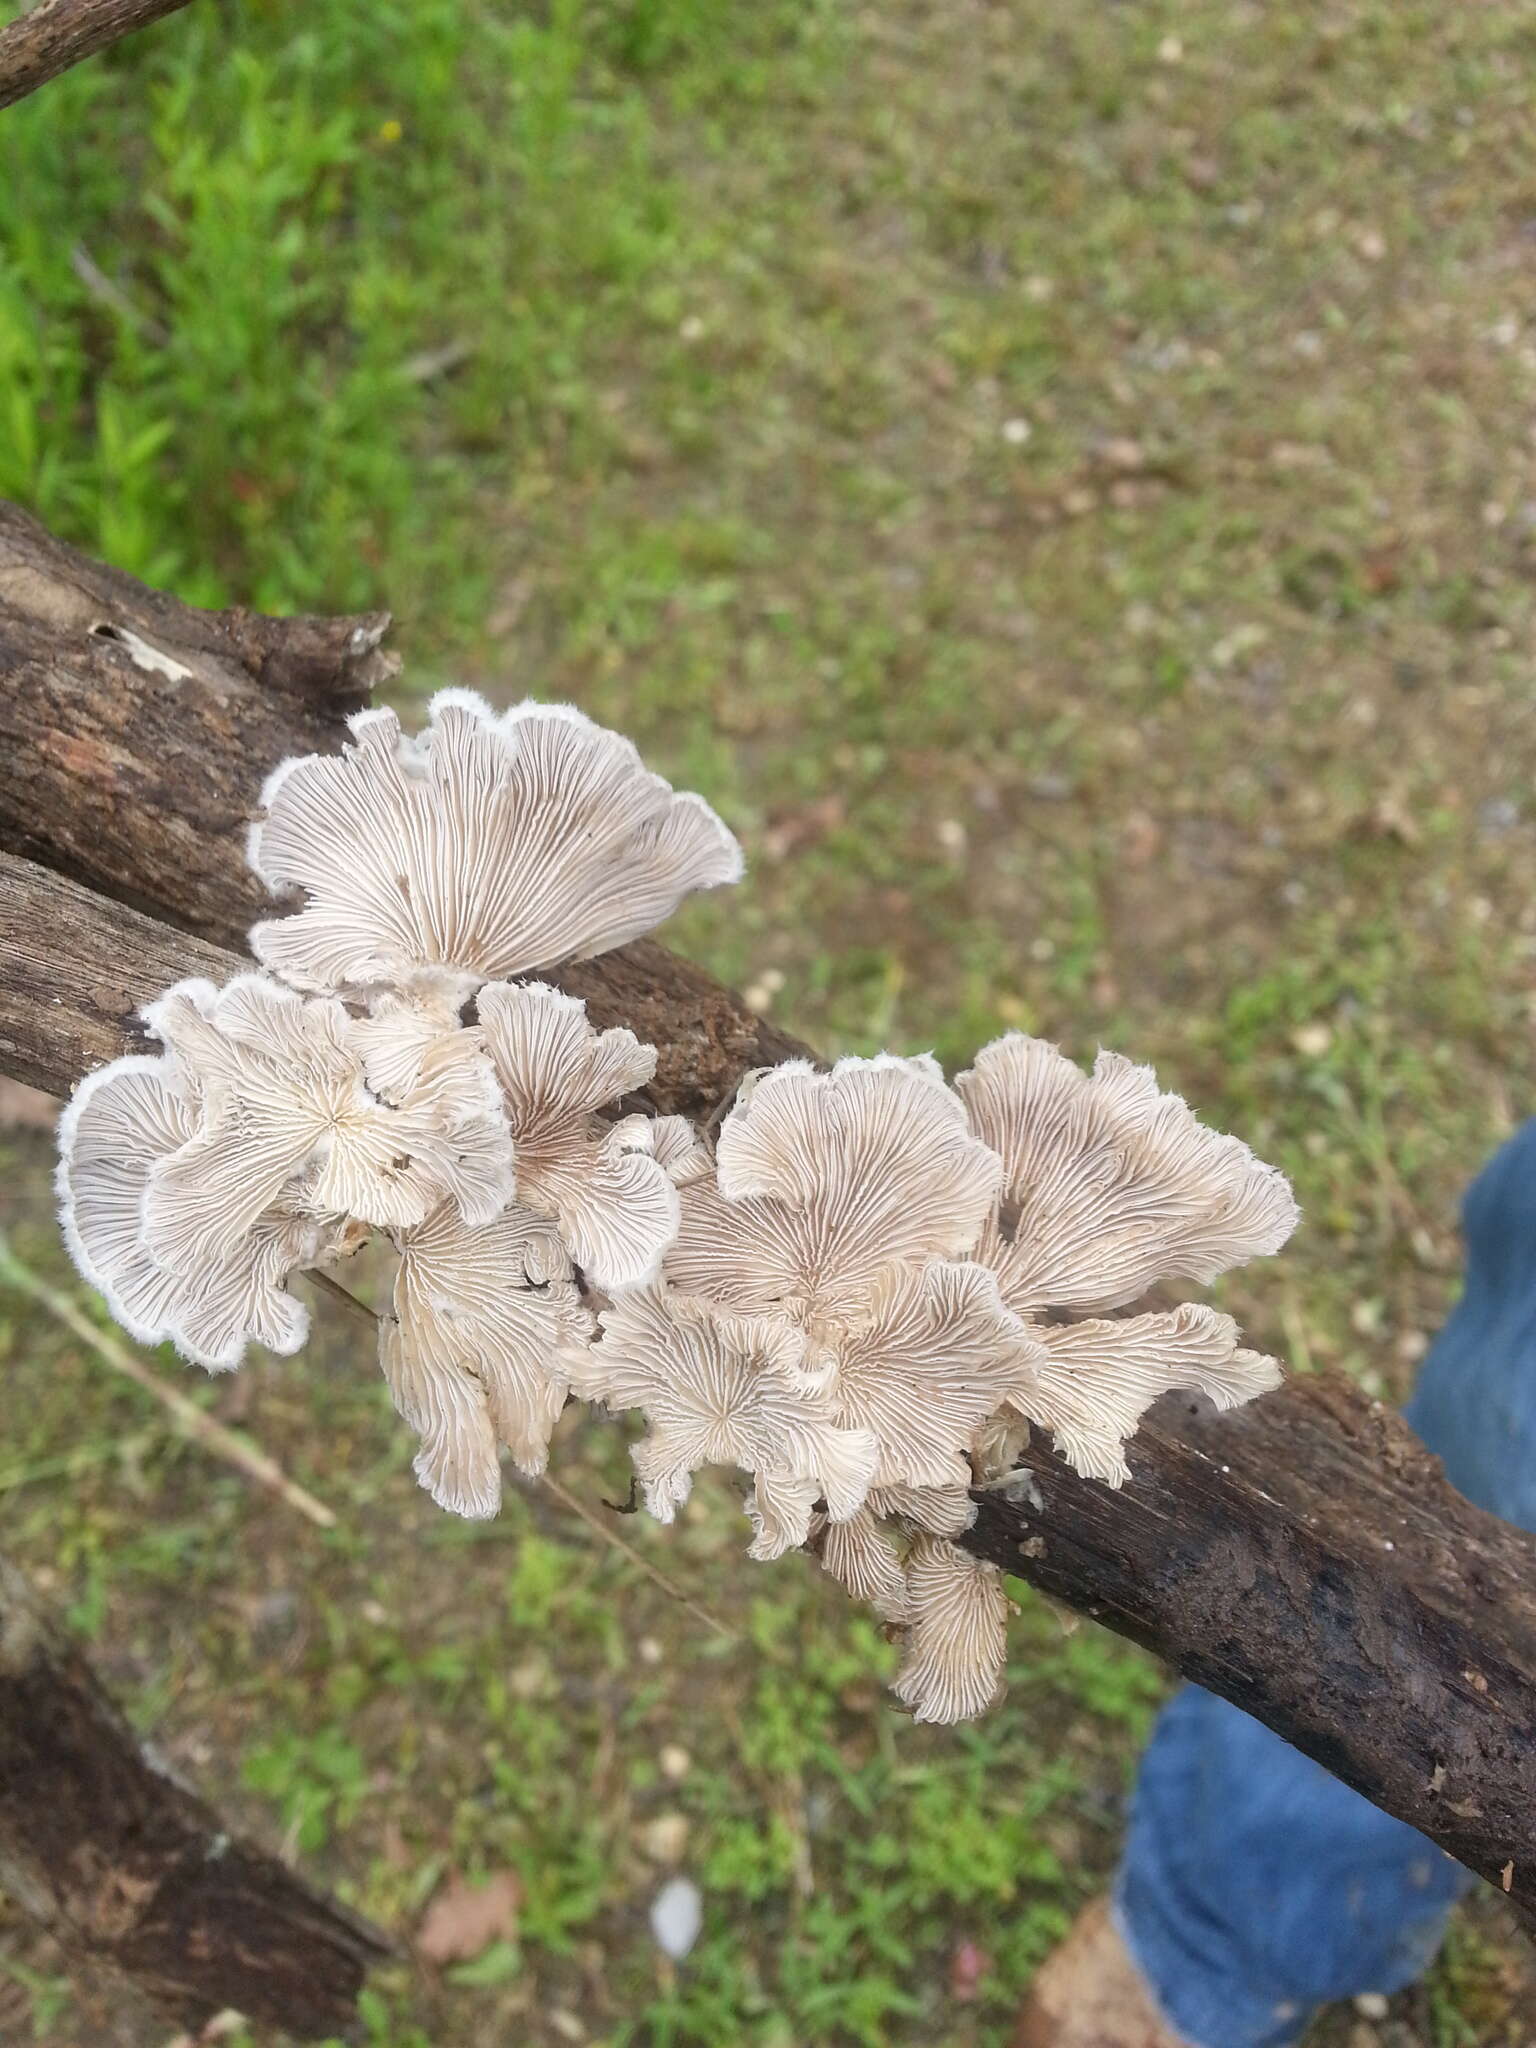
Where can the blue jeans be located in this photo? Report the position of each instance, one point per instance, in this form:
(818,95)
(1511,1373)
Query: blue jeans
(1255,1887)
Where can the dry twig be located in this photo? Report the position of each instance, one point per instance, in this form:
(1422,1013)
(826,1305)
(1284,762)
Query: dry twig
(189,1418)
(566,1498)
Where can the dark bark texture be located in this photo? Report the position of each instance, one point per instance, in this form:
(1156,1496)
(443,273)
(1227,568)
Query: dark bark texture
(74,969)
(135,1876)
(50,37)
(1303,1557)
(1306,1558)
(136,734)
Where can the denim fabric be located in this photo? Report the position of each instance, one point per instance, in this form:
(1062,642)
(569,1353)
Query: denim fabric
(1255,1887)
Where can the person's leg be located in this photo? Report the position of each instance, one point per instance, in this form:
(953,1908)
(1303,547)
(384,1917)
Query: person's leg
(1254,1887)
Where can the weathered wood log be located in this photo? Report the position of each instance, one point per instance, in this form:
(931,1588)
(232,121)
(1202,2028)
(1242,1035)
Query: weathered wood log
(1307,1559)
(1302,1557)
(136,1878)
(136,734)
(55,34)
(75,968)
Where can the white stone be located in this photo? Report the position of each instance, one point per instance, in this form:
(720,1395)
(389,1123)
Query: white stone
(677,1915)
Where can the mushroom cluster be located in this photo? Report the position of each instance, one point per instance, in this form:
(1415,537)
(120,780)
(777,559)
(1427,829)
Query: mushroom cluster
(860,1296)
(387,1076)
(882,1281)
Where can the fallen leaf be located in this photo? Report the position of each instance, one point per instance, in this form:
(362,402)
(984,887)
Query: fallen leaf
(967,1967)
(464,1919)
(1141,837)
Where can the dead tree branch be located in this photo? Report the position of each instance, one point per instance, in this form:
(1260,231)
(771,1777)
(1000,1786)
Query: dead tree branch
(1304,1557)
(1307,1559)
(134,1876)
(55,34)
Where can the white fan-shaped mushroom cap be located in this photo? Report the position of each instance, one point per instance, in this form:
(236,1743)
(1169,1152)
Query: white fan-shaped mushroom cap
(118,1122)
(941,1510)
(956,1645)
(400,1031)
(1109,1185)
(679,1151)
(488,847)
(781,1508)
(937,1355)
(825,1180)
(478,1352)
(121,1122)
(862,1555)
(1095,1380)
(419,1059)
(285,1112)
(614,1200)
(722,1389)
(996,1446)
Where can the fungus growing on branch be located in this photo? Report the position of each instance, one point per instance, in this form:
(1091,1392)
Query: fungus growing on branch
(289,1118)
(486,1329)
(486,848)
(122,1121)
(1109,1188)
(862,1297)
(940,1267)
(614,1201)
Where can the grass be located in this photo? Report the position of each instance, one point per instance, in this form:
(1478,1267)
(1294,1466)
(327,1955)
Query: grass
(1060,480)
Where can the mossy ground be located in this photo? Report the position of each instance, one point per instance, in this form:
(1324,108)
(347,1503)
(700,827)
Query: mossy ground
(1062,480)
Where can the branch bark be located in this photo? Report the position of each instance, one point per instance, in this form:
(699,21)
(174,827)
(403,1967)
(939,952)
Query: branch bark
(74,970)
(137,1879)
(136,734)
(55,34)
(1307,1559)
(1304,1557)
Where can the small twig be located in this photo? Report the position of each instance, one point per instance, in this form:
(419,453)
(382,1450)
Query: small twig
(329,1284)
(567,1499)
(707,1128)
(652,1572)
(213,1436)
(429,363)
(110,293)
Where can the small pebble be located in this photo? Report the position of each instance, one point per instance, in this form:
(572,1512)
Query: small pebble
(1371,2005)
(665,1838)
(675,1762)
(525,1681)
(677,1915)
